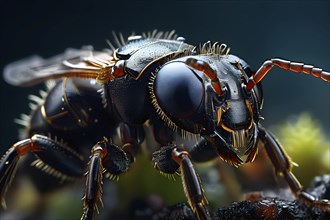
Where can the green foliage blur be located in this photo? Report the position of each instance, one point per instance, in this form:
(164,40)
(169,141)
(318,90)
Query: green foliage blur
(306,143)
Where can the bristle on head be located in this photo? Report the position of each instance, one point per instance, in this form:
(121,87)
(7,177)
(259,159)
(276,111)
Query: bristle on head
(214,49)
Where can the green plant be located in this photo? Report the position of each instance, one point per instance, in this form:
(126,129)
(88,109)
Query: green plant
(307,145)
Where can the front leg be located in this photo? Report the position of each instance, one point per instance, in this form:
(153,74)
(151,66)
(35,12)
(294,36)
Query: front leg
(283,164)
(192,184)
(105,158)
(168,160)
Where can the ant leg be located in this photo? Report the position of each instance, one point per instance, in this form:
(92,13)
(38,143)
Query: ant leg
(49,153)
(282,165)
(203,151)
(168,160)
(132,136)
(93,183)
(192,184)
(106,158)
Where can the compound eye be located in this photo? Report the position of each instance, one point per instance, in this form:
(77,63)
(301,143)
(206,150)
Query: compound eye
(178,90)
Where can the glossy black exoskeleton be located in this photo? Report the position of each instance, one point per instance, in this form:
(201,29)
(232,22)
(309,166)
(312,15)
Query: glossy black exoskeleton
(155,80)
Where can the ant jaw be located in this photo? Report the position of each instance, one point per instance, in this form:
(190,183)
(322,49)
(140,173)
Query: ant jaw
(239,138)
(242,142)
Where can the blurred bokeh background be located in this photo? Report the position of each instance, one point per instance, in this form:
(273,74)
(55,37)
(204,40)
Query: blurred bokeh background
(254,30)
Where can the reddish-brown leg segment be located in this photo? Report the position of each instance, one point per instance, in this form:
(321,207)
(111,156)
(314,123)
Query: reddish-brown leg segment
(54,158)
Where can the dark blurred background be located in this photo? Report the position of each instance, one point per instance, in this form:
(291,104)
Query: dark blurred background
(254,30)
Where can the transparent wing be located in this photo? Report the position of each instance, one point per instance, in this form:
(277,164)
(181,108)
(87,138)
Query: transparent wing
(83,62)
